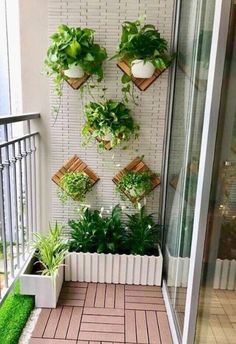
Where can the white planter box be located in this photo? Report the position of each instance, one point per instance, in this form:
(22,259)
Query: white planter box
(46,289)
(114,268)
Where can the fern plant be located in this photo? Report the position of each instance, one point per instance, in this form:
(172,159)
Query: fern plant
(50,250)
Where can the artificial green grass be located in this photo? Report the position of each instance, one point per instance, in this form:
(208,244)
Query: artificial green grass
(14,314)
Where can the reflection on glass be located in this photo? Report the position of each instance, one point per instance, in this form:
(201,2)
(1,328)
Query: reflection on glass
(188,108)
(217,302)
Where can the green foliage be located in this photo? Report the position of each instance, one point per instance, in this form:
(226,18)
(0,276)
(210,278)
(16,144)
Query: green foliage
(143,42)
(50,250)
(72,45)
(94,232)
(109,118)
(74,185)
(142,233)
(14,313)
(135,183)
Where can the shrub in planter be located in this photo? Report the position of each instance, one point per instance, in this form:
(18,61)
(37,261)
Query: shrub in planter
(94,232)
(43,275)
(135,184)
(73,53)
(109,121)
(74,185)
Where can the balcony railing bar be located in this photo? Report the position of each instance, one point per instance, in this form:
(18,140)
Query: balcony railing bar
(18,197)
(18,118)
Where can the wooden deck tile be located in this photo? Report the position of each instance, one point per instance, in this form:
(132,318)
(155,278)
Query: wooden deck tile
(141,327)
(74,326)
(41,323)
(113,314)
(63,323)
(52,323)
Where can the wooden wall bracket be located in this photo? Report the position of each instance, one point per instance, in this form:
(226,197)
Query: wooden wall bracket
(142,84)
(137,165)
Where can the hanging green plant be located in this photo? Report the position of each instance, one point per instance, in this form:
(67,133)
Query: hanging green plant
(74,185)
(135,184)
(143,49)
(73,54)
(110,122)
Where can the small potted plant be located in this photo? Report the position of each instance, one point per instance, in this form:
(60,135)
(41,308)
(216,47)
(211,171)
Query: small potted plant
(143,48)
(109,249)
(109,121)
(74,185)
(72,54)
(44,273)
(135,184)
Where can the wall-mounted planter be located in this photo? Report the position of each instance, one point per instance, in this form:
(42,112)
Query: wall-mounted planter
(74,164)
(76,83)
(142,84)
(114,268)
(137,165)
(46,289)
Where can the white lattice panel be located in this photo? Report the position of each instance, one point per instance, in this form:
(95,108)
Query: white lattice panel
(106,18)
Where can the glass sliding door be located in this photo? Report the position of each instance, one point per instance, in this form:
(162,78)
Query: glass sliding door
(217,301)
(194,44)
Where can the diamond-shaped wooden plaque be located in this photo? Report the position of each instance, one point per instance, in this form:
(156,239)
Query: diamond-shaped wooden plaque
(76,83)
(74,164)
(136,165)
(142,84)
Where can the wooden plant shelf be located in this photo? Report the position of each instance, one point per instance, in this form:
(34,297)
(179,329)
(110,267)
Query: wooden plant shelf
(142,84)
(137,165)
(74,164)
(76,83)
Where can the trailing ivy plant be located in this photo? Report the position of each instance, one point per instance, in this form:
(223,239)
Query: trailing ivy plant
(94,232)
(142,233)
(135,183)
(73,45)
(109,120)
(74,185)
(50,250)
(143,42)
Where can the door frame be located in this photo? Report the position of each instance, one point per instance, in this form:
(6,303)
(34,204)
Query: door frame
(210,123)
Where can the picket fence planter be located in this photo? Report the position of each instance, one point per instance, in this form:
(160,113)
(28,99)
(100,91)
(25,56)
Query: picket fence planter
(46,289)
(114,268)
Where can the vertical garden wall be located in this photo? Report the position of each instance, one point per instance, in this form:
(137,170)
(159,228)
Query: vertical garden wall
(106,17)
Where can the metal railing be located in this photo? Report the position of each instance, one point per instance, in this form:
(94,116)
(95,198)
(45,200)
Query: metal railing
(19,148)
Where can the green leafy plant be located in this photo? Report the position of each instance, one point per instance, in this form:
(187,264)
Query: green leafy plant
(109,121)
(74,185)
(73,45)
(143,42)
(94,232)
(142,233)
(50,250)
(135,183)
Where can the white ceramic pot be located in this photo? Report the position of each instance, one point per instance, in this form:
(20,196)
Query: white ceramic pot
(141,69)
(74,71)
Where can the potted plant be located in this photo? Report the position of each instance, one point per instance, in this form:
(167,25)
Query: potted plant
(109,121)
(107,249)
(135,184)
(72,54)
(74,185)
(44,274)
(143,48)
